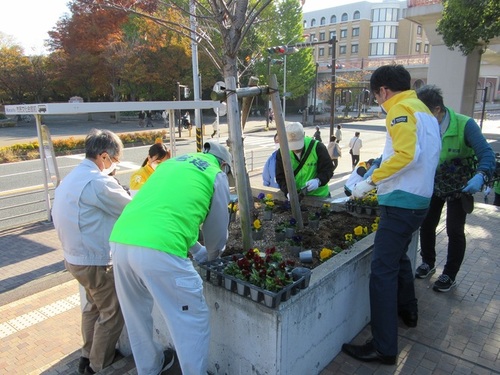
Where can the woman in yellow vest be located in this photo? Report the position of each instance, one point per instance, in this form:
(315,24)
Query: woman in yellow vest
(157,154)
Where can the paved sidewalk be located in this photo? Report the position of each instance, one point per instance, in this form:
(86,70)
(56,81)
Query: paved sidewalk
(458,332)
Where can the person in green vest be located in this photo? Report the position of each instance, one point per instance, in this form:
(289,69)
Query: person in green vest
(311,163)
(461,140)
(150,245)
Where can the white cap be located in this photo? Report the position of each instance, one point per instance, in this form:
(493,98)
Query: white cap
(218,150)
(295,135)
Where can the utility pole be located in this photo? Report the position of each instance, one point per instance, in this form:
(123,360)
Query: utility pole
(333,42)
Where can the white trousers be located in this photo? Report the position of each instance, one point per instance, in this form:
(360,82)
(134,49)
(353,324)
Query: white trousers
(145,276)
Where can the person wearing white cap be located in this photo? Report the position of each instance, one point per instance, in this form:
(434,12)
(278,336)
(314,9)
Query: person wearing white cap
(311,163)
(150,243)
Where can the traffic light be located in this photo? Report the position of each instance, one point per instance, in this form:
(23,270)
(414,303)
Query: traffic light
(278,50)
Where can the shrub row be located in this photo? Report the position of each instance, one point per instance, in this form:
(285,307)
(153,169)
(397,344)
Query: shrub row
(71,145)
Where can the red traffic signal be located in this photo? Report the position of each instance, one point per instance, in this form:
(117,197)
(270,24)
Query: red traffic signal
(280,50)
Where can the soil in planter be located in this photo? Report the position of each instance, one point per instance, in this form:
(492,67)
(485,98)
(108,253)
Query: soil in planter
(331,233)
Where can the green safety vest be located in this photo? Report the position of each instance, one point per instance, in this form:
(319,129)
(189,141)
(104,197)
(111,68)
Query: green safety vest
(453,141)
(168,210)
(308,170)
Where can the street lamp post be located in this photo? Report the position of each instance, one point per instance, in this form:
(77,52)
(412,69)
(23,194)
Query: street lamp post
(333,42)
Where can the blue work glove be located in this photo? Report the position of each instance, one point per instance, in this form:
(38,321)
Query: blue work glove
(200,255)
(474,184)
(312,185)
(362,188)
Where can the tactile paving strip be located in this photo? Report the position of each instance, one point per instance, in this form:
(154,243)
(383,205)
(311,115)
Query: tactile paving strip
(26,320)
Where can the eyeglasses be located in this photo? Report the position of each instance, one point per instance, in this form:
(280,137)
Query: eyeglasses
(114,160)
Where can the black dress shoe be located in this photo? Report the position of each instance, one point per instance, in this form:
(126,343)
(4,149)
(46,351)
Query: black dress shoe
(409,318)
(368,353)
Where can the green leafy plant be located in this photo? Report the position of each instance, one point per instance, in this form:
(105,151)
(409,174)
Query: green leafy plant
(267,271)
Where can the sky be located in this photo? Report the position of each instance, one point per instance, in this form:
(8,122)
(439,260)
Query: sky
(28,21)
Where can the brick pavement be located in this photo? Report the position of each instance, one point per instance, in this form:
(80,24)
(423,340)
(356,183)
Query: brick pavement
(458,332)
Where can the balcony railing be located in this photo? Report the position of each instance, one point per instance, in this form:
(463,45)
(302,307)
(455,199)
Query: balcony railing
(373,63)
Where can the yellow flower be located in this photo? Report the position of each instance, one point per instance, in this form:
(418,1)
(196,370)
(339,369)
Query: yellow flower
(358,231)
(348,237)
(365,230)
(270,204)
(269,196)
(232,206)
(326,205)
(377,219)
(256,224)
(325,253)
(257,251)
(374,227)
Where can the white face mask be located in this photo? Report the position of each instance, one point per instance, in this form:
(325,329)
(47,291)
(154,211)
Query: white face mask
(111,168)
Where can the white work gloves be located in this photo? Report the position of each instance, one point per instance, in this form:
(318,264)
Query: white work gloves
(362,188)
(312,185)
(200,255)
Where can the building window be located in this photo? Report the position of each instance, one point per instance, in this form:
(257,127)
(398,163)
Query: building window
(313,22)
(305,24)
(385,14)
(417,47)
(333,34)
(321,52)
(312,37)
(343,33)
(382,49)
(426,48)
(354,48)
(322,36)
(344,17)
(342,50)
(330,50)
(419,30)
(383,32)
(333,19)
(356,15)
(322,21)
(355,31)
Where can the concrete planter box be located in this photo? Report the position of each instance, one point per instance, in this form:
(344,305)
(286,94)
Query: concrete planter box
(301,335)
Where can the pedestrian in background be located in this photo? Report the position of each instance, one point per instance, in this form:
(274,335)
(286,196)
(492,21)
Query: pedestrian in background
(334,151)
(462,139)
(269,171)
(142,116)
(150,244)
(355,145)
(87,204)
(404,182)
(317,134)
(157,154)
(338,133)
(311,163)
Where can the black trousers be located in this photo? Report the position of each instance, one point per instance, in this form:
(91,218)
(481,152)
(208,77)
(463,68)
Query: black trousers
(455,229)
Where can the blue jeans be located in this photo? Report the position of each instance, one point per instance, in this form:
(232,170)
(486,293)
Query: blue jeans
(392,281)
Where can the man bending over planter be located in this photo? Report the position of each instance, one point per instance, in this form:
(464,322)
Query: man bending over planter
(150,244)
(404,182)
(311,163)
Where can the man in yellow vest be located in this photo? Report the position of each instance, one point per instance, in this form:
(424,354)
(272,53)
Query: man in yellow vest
(311,163)
(150,243)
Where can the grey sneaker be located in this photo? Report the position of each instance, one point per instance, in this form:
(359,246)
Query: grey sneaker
(424,270)
(444,283)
